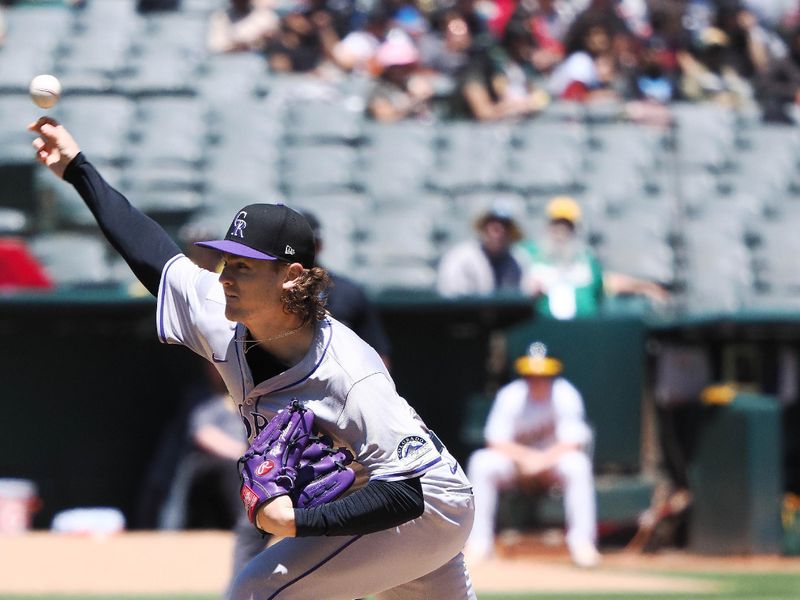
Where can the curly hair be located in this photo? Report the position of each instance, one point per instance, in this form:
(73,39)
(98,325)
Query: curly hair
(307,297)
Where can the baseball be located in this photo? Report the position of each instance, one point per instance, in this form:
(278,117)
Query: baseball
(45,91)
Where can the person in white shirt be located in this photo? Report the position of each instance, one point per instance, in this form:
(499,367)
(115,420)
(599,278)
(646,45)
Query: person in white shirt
(485,264)
(536,430)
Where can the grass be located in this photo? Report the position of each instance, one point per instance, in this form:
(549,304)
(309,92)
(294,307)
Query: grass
(733,586)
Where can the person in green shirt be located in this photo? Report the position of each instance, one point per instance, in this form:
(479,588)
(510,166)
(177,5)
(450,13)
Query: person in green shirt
(560,271)
(565,277)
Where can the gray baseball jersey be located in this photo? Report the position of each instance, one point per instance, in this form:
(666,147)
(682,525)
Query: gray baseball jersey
(345,383)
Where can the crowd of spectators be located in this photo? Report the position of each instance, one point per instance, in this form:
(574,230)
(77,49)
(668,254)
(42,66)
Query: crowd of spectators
(495,59)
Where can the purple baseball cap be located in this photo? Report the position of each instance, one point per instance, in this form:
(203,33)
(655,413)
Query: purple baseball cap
(268,232)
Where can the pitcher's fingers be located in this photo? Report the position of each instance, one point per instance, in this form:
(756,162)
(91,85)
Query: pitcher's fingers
(38,143)
(37,125)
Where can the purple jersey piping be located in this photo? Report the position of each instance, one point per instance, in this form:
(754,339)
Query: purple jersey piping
(407,474)
(241,366)
(312,569)
(311,372)
(162,337)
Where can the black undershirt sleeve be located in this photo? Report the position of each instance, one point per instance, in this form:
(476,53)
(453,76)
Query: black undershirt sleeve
(142,242)
(377,506)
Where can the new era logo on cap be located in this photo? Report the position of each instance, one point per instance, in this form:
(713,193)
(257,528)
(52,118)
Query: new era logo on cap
(268,232)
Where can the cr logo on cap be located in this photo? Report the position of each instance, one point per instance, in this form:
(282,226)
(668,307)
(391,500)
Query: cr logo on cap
(239,224)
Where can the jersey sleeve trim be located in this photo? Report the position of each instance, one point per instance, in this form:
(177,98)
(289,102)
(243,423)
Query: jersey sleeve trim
(162,288)
(408,474)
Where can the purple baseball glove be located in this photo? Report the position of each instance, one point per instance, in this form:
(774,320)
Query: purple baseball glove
(287,458)
(323,474)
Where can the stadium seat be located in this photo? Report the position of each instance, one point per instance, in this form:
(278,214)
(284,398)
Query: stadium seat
(405,276)
(72,258)
(776,252)
(638,241)
(102,123)
(25,51)
(396,236)
(704,134)
(318,169)
(170,129)
(546,158)
(12,221)
(60,205)
(311,122)
(16,111)
(716,265)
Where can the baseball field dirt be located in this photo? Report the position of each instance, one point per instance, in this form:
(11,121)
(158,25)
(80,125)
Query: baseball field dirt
(197,563)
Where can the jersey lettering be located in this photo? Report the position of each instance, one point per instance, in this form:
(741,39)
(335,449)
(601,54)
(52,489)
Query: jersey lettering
(259,421)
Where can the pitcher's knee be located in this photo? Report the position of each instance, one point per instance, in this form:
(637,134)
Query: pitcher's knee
(255,584)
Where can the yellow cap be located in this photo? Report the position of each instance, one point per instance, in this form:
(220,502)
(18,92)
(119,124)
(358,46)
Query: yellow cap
(564,207)
(718,394)
(537,364)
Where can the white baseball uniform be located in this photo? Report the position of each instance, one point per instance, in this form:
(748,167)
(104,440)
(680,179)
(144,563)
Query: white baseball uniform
(516,418)
(345,383)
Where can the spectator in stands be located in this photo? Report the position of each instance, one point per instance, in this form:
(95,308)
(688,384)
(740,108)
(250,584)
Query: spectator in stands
(707,72)
(648,84)
(651,79)
(476,19)
(657,74)
(536,437)
(444,48)
(305,39)
(348,302)
(408,18)
(750,47)
(549,21)
(590,69)
(357,50)
(562,273)
(500,82)
(243,26)
(778,89)
(486,264)
(401,91)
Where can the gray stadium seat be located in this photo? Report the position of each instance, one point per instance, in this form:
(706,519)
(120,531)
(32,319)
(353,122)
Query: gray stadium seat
(170,129)
(395,160)
(16,111)
(26,51)
(638,145)
(233,77)
(396,236)
(716,265)
(318,169)
(406,277)
(471,156)
(101,123)
(704,134)
(638,241)
(72,258)
(776,253)
(312,122)
(13,221)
